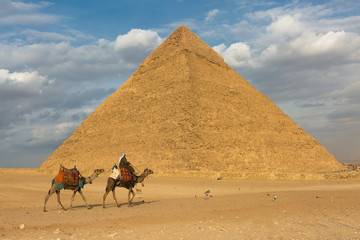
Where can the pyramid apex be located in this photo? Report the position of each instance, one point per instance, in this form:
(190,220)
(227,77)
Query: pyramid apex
(183,38)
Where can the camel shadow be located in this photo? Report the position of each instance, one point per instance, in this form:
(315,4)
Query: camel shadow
(84,206)
(139,203)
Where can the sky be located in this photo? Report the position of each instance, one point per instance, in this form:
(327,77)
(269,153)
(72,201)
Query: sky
(59,60)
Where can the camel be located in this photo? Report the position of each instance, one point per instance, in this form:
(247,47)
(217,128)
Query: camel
(75,189)
(112,184)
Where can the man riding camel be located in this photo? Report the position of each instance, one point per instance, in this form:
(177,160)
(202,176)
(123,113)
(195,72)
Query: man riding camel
(123,163)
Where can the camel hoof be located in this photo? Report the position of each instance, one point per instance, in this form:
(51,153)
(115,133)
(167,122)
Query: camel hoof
(118,205)
(89,207)
(45,210)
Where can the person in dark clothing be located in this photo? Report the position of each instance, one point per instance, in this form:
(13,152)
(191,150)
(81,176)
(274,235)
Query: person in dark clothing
(123,163)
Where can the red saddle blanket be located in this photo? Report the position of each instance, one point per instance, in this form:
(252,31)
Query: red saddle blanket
(70,177)
(125,175)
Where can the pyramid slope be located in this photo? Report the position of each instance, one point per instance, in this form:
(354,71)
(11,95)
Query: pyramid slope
(185,111)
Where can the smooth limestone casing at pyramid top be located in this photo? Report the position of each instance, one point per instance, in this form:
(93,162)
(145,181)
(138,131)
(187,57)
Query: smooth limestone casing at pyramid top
(184,110)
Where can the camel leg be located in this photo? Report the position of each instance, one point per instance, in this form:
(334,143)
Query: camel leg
(130,199)
(59,201)
(117,204)
(104,197)
(51,191)
(83,197)
(110,186)
(72,199)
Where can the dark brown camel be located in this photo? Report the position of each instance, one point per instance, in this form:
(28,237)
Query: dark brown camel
(76,189)
(112,184)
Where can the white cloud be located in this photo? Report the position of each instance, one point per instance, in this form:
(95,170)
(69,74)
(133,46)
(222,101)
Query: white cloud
(286,25)
(32,77)
(143,40)
(236,55)
(211,15)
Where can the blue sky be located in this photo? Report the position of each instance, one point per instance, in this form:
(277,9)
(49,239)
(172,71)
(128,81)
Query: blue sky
(60,59)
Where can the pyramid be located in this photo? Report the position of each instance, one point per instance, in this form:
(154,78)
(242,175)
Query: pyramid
(183,111)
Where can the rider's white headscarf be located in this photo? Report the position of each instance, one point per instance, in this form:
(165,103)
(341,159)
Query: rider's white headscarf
(121,157)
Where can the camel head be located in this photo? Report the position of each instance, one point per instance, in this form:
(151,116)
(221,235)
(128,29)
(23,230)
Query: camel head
(99,171)
(96,173)
(148,171)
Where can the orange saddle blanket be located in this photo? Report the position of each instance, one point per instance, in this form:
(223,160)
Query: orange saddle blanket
(70,177)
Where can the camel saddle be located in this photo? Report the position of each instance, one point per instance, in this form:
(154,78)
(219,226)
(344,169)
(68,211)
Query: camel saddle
(125,175)
(68,177)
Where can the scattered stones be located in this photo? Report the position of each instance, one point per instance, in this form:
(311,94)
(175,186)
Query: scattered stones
(22,226)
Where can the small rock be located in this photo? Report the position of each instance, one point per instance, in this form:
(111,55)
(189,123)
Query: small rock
(219,178)
(57,231)
(22,226)
(112,234)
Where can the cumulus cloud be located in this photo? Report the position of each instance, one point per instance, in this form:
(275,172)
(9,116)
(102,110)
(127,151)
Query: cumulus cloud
(236,55)
(145,40)
(137,44)
(21,77)
(286,25)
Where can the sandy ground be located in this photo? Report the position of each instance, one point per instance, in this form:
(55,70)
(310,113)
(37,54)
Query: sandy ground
(176,208)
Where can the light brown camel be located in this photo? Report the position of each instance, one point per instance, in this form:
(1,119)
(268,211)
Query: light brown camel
(112,184)
(75,189)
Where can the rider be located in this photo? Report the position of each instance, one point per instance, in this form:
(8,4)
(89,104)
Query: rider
(123,163)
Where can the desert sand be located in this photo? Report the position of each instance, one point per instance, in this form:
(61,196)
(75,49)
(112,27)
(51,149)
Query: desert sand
(177,208)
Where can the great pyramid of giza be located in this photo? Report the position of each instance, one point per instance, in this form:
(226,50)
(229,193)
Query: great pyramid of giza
(184,110)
